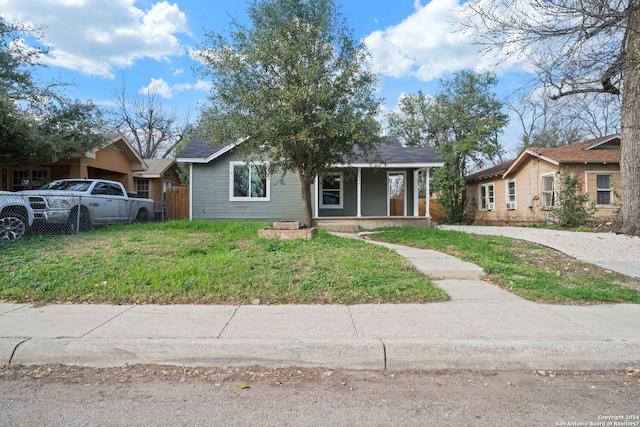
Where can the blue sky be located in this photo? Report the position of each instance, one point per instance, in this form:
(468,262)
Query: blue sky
(96,45)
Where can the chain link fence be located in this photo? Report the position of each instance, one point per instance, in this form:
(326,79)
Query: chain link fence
(29,214)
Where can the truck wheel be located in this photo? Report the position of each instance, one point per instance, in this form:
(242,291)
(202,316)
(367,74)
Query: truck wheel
(143,216)
(13,226)
(75,226)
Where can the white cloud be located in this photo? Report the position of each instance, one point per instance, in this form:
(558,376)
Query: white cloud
(163,89)
(428,44)
(96,36)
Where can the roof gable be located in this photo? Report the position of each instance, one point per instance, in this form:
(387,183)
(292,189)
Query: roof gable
(492,172)
(605,149)
(119,141)
(591,151)
(156,168)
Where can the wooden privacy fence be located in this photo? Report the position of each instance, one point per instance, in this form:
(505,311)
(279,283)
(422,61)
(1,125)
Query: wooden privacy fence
(396,208)
(435,209)
(177,199)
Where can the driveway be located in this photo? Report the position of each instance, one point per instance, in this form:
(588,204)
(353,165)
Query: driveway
(615,252)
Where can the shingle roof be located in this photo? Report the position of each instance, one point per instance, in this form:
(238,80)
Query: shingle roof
(497,170)
(156,168)
(390,152)
(199,148)
(594,150)
(605,149)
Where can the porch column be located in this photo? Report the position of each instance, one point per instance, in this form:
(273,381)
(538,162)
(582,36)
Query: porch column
(416,192)
(316,210)
(427,211)
(359,214)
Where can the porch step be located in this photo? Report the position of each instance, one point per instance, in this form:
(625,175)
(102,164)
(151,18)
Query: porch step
(355,224)
(336,227)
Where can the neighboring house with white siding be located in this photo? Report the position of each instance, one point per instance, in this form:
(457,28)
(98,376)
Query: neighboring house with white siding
(225,186)
(523,191)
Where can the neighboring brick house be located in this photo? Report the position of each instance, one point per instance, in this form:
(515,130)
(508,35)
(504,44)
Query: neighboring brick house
(522,191)
(115,160)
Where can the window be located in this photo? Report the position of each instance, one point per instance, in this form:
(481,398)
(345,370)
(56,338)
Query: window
(603,184)
(547,187)
(487,197)
(28,179)
(249,182)
(511,195)
(142,188)
(331,191)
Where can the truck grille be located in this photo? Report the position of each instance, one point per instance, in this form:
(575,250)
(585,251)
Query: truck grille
(37,203)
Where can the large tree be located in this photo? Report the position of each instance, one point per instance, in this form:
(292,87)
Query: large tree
(293,86)
(38,124)
(576,47)
(408,121)
(462,123)
(154,130)
(569,120)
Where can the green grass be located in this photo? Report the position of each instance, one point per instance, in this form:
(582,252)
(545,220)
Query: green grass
(205,263)
(526,269)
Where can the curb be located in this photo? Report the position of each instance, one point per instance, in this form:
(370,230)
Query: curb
(195,352)
(359,354)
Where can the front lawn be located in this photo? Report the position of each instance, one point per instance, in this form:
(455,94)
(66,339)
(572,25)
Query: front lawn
(205,263)
(532,271)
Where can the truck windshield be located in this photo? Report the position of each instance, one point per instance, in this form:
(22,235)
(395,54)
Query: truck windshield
(67,185)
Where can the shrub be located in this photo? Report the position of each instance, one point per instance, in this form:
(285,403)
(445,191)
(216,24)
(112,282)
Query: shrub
(570,209)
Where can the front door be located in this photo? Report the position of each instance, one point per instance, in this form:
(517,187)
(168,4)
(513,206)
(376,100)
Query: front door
(396,191)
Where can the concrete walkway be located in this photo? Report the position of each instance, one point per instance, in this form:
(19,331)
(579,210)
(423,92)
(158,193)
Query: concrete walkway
(481,327)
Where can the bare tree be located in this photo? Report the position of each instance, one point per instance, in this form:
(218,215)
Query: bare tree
(155,131)
(577,47)
(568,120)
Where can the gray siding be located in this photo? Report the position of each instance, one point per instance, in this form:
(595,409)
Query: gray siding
(349,197)
(374,192)
(210,195)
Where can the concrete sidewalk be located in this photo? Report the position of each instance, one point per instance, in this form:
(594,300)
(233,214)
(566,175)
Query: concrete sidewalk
(481,327)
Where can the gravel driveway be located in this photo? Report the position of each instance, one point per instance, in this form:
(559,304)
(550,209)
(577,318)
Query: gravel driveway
(612,251)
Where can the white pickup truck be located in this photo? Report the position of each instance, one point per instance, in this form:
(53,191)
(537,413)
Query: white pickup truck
(80,204)
(16,216)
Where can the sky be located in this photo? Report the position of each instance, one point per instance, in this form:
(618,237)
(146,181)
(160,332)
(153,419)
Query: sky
(100,45)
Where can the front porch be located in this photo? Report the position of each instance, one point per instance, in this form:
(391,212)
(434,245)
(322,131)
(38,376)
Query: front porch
(354,224)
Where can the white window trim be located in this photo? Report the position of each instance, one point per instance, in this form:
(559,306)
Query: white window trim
(404,174)
(553,191)
(507,195)
(233,198)
(613,197)
(491,205)
(340,205)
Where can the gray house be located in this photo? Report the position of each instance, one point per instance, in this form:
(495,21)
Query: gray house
(347,196)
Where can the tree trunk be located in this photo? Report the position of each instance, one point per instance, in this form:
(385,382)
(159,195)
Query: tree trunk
(630,133)
(307,206)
